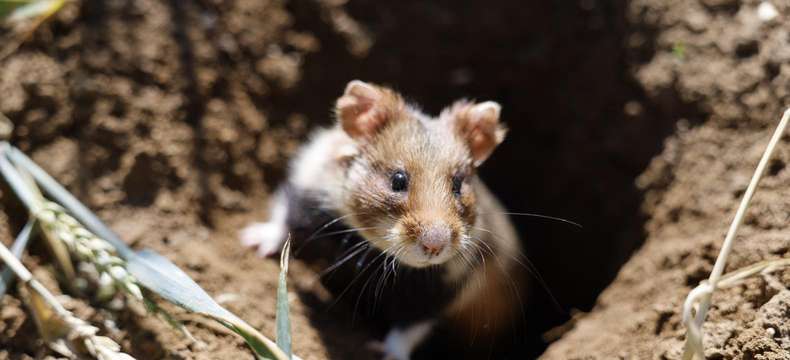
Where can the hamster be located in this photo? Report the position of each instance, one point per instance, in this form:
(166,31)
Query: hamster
(390,201)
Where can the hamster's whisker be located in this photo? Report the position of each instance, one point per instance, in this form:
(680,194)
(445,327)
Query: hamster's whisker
(365,285)
(320,229)
(387,270)
(513,287)
(384,270)
(479,250)
(382,277)
(335,220)
(387,273)
(354,251)
(354,280)
(465,258)
(479,243)
(527,264)
(541,216)
(394,263)
(346,231)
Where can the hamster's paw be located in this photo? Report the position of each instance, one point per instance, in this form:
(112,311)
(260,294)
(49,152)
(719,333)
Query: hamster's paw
(267,237)
(387,353)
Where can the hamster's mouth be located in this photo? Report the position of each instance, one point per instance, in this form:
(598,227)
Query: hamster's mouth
(412,252)
(413,255)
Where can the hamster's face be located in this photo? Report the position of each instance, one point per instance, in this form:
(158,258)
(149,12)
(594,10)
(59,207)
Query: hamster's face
(409,190)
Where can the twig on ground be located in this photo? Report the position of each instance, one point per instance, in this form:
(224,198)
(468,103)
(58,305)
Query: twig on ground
(704,291)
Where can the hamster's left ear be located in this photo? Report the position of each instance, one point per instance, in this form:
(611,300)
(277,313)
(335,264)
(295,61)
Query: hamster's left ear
(478,125)
(365,109)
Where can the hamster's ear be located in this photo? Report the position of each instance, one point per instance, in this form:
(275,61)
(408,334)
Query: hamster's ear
(478,125)
(364,109)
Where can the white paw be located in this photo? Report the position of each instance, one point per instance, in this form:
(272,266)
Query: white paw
(399,343)
(267,237)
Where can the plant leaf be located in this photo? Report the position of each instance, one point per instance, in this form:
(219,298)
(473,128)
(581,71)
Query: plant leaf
(283,318)
(42,304)
(49,324)
(27,191)
(18,248)
(161,276)
(153,271)
(16,10)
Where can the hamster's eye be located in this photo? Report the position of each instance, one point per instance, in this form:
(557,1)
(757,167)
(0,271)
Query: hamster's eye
(458,181)
(400,181)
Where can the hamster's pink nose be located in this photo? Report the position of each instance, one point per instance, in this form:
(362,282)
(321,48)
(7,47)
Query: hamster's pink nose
(434,238)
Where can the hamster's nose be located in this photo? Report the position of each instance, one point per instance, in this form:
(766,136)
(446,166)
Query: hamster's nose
(434,238)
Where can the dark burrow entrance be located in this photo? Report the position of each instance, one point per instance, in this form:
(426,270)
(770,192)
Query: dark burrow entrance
(581,128)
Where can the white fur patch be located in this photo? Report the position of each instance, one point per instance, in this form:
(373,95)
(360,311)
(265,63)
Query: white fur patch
(267,237)
(317,166)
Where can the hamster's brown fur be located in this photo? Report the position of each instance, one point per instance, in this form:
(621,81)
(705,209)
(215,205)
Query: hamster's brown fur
(407,184)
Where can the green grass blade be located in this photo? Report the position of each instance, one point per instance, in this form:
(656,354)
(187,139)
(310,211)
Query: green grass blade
(261,345)
(158,274)
(161,276)
(17,249)
(283,318)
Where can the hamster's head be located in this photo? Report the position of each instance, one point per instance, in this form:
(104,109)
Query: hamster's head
(409,189)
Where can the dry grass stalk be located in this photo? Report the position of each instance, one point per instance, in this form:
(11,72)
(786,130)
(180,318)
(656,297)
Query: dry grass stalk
(88,248)
(64,332)
(702,294)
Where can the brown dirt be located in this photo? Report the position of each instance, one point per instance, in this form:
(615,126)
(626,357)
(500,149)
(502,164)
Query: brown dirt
(174,120)
(735,68)
(153,113)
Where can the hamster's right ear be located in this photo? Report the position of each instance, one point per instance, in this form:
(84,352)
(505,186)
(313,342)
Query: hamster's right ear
(478,125)
(364,109)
